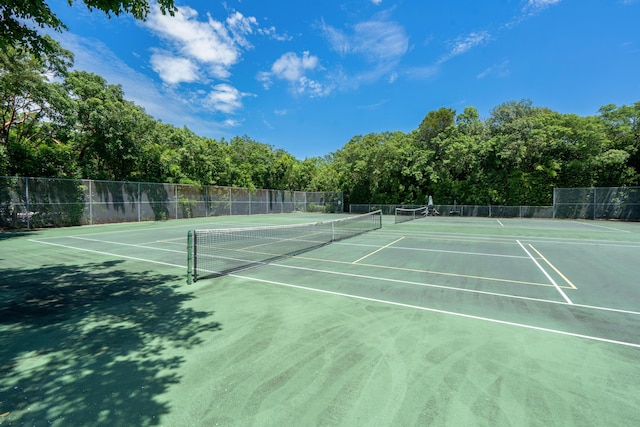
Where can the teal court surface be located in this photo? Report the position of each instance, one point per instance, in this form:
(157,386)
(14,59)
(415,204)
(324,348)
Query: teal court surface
(437,321)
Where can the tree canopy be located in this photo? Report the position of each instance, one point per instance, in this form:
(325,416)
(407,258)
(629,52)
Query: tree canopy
(81,126)
(21,19)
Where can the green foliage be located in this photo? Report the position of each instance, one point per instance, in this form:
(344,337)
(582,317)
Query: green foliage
(20,21)
(81,126)
(436,123)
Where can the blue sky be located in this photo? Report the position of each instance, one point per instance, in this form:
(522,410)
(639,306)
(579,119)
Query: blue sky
(307,76)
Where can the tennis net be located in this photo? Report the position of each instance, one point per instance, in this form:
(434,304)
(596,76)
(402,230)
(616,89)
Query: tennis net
(222,251)
(405,214)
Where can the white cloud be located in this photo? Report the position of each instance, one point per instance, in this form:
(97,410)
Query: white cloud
(225,98)
(376,2)
(206,42)
(174,70)
(310,87)
(465,43)
(535,6)
(381,43)
(291,66)
(240,26)
(294,68)
(272,33)
(214,46)
(380,40)
(530,8)
(202,50)
(375,40)
(498,70)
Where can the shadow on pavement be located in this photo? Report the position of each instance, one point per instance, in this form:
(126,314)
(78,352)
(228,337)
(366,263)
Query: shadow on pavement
(92,344)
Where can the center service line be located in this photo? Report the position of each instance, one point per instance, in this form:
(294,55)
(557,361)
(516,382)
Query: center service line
(553,282)
(377,250)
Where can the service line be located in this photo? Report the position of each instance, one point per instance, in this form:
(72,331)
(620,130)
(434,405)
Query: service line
(553,282)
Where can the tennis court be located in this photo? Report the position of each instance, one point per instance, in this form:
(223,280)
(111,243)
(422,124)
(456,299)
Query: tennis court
(434,321)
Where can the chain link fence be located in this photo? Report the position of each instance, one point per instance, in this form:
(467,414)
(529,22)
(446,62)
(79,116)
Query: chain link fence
(49,202)
(614,203)
(466,210)
(622,203)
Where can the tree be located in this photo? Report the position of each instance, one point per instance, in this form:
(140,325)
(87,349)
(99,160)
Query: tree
(107,130)
(249,163)
(622,125)
(283,172)
(20,20)
(469,122)
(29,109)
(370,168)
(435,123)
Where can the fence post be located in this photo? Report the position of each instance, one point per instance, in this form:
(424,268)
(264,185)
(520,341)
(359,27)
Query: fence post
(139,203)
(595,194)
(176,204)
(90,202)
(26,195)
(206,201)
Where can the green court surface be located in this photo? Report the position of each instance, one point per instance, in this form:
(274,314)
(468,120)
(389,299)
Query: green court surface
(433,322)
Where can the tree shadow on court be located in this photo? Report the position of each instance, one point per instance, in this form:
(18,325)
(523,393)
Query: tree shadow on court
(11,234)
(92,344)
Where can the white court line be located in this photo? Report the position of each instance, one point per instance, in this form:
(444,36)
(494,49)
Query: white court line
(458,252)
(500,222)
(376,251)
(450,313)
(553,282)
(426,285)
(109,253)
(565,278)
(406,248)
(601,226)
(383,301)
(502,238)
(123,244)
(451,288)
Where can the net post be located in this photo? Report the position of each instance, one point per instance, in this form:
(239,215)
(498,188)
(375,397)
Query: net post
(190,269)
